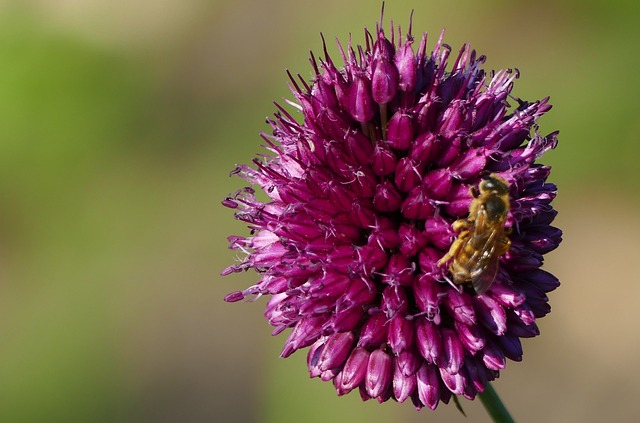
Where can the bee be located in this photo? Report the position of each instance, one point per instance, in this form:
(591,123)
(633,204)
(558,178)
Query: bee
(482,237)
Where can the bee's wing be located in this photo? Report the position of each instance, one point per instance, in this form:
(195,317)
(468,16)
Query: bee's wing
(483,263)
(484,276)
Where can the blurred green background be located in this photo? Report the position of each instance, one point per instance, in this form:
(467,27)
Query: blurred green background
(119,123)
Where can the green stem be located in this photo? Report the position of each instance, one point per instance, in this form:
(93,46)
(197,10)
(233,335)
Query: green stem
(494,406)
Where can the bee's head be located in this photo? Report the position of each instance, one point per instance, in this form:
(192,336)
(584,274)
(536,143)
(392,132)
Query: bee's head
(494,184)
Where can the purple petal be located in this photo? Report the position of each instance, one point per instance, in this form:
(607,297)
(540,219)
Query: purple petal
(384,79)
(454,382)
(525,314)
(428,260)
(460,307)
(491,314)
(439,232)
(313,357)
(417,205)
(453,351)
(477,373)
(359,147)
(361,105)
(470,164)
(399,271)
(383,160)
(458,200)
(384,82)
(374,332)
(438,183)
(425,148)
(411,240)
(542,279)
(408,361)
(408,174)
(403,385)
(379,373)
(428,382)
(305,333)
(358,292)
(401,334)
(347,318)
(511,347)
(336,350)
(506,296)
(387,199)
(492,356)
(400,131)
(471,337)
(354,371)
(385,233)
(405,62)
(518,328)
(428,297)
(234,297)
(429,341)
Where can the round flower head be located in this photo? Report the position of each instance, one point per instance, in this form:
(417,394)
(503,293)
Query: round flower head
(364,187)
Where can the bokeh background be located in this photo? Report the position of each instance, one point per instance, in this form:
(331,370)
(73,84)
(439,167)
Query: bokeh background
(119,123)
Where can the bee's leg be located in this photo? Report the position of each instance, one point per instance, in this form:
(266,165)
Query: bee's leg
(455,247)
(474,192)
(460,224)
(450,254)
(453,285)
(457,243)
(504,244)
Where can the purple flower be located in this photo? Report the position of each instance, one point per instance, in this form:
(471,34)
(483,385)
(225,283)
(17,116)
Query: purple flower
(362,191)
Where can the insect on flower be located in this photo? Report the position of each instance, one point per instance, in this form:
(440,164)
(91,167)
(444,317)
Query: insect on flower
(482,237)
(363,181)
